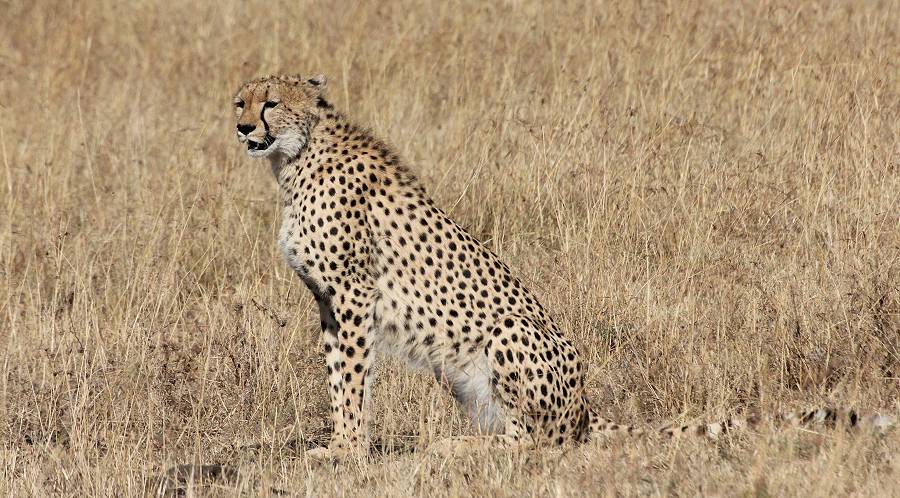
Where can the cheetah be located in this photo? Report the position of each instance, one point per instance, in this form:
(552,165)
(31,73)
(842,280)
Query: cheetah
(393,275)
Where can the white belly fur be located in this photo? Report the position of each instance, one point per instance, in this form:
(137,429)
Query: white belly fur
(468,376)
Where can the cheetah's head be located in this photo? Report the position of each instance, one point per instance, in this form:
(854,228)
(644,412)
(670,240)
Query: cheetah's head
(276,113)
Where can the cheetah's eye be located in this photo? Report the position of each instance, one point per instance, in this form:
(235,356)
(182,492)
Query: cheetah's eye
(239,104)
(269,104)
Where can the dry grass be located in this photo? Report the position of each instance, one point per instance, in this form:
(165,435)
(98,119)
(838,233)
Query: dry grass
(704,194)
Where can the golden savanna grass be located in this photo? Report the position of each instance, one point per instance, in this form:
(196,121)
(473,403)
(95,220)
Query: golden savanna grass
(706,195)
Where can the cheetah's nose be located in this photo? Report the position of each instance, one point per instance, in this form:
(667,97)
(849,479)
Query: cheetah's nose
(245,128)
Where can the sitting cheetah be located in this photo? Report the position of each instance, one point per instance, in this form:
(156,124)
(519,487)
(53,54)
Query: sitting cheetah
(392,273)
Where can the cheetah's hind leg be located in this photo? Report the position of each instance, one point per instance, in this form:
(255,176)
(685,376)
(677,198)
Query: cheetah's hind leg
(536,379)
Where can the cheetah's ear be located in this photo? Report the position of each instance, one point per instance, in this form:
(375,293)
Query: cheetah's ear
(317,81)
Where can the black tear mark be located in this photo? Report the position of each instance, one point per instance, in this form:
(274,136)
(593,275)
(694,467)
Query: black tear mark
(262,117)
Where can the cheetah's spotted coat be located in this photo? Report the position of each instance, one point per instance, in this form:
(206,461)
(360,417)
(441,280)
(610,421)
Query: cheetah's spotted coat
(392,273)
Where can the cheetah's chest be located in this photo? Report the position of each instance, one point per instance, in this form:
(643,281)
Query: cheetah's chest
(294,247)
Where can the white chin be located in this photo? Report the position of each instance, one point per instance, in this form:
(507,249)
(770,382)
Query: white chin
(259,153)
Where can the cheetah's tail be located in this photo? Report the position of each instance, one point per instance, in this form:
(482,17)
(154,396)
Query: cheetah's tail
(825,417)
(599,426)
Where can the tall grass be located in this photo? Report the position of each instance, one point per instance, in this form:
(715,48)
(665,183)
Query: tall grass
(706,195)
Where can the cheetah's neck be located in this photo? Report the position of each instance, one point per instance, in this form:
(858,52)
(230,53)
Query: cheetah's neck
(323,137)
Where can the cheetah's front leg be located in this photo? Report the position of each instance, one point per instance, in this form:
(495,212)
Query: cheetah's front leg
(346,322)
